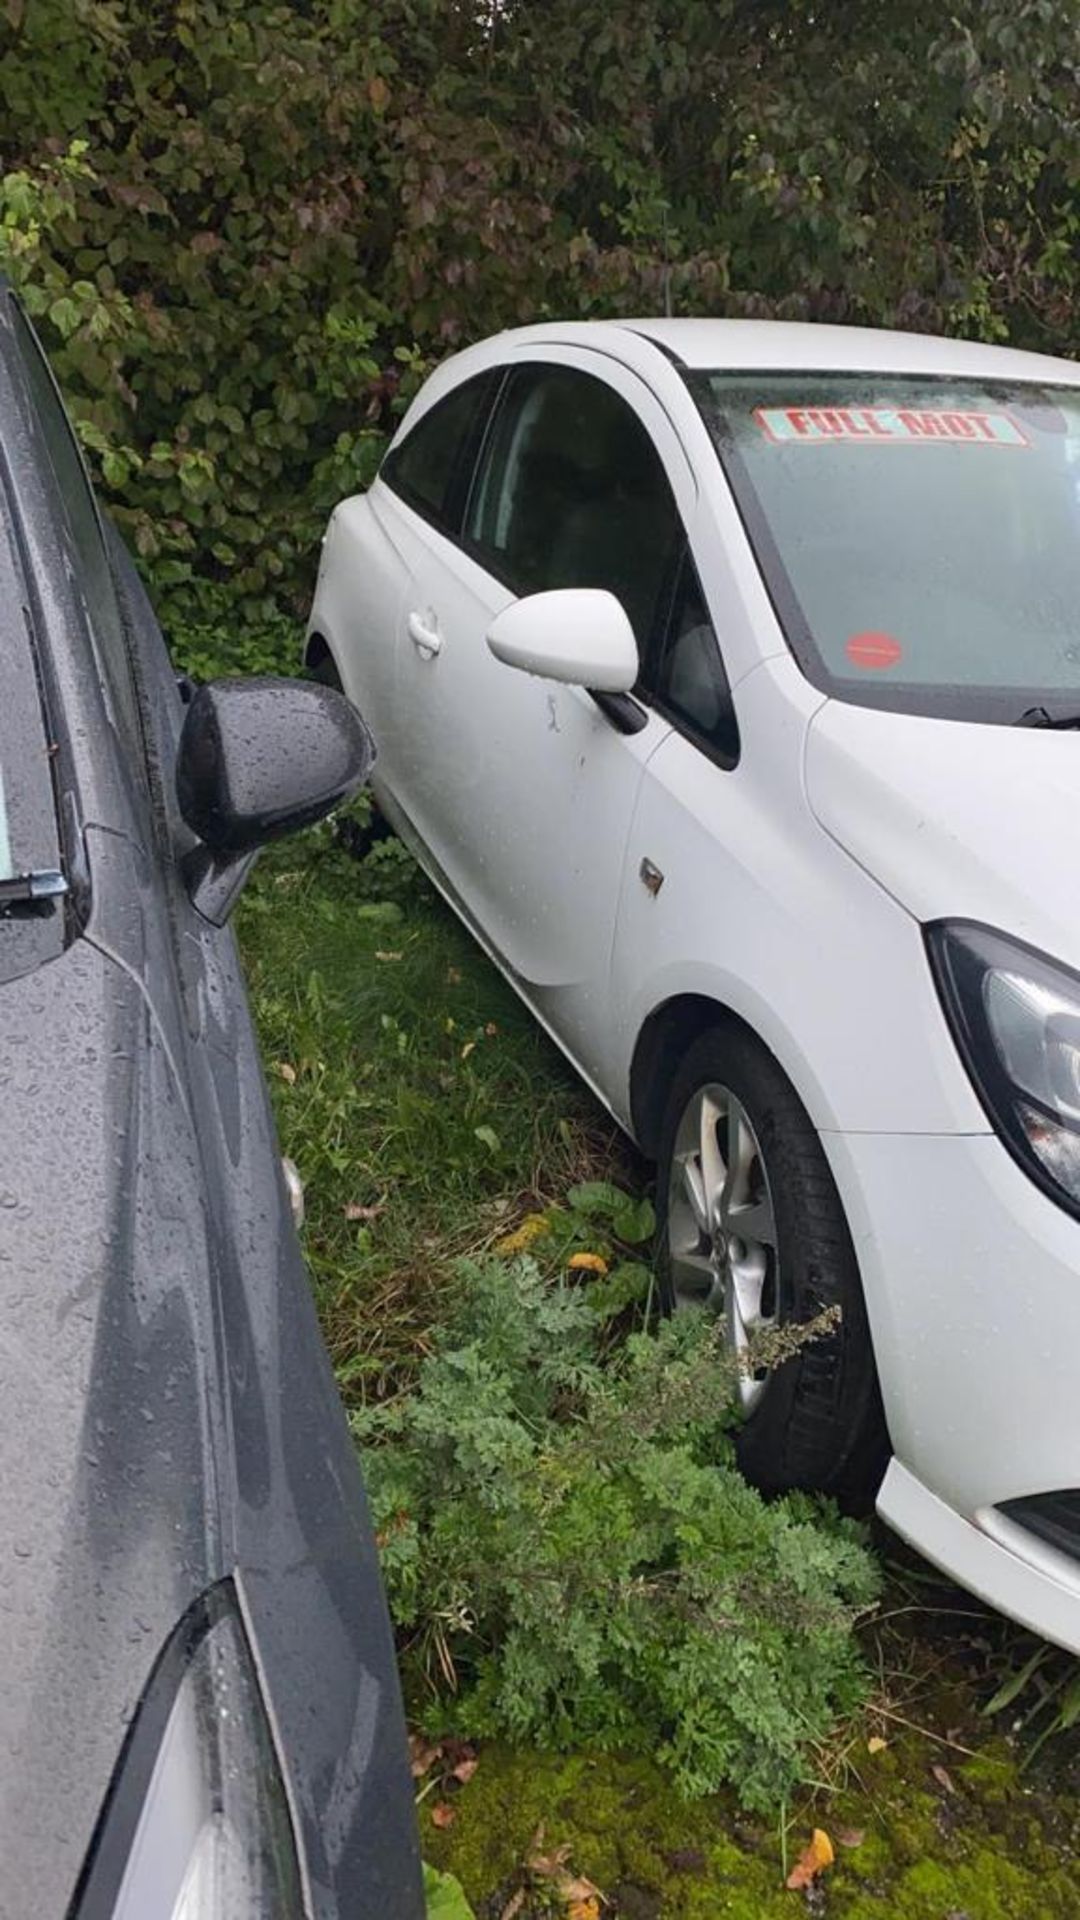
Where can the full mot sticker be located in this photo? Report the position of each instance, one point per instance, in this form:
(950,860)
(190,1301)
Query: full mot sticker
(904,424)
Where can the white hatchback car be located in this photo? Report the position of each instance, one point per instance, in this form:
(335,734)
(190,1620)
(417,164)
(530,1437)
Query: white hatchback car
(723,676)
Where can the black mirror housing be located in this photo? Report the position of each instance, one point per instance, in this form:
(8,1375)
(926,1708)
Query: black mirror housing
(260,758)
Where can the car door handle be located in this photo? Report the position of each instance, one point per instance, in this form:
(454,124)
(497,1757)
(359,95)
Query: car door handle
(424,634)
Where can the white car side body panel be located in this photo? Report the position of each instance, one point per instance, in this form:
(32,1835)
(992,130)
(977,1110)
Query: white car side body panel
(763,914)
(519,788)
(359,596)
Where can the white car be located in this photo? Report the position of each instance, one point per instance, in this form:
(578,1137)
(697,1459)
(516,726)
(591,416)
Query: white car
(723,676)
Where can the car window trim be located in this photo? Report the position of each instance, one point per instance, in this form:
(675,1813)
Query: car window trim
(34,346)
(36,936)
(133,750)
(648,691)
(565,354)
(463,478)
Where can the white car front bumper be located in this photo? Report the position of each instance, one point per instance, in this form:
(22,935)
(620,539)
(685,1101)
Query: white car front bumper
(972,1281)
(994,1558)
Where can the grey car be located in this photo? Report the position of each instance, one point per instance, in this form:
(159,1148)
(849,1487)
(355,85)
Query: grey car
(200,1716)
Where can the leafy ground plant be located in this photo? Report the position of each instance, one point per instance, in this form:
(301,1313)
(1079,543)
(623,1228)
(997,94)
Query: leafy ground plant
(571,1554)
(444,1897)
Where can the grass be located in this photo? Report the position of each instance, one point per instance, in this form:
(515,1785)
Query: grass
(425,1109)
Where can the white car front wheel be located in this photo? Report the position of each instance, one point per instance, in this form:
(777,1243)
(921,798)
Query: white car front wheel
(751,1227)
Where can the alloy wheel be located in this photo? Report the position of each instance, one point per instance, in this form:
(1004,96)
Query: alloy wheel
(721,1227)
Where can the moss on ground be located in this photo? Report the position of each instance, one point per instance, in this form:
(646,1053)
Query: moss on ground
(974,1843)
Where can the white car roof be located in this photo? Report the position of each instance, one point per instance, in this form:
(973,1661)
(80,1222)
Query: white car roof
(799,346)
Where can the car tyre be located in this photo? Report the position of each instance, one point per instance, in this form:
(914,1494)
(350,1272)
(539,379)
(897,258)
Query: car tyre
(750,1223)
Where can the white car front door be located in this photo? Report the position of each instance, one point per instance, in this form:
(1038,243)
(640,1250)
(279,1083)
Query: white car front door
(522,790)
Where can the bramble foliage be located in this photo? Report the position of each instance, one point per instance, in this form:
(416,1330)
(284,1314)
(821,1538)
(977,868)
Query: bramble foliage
(443,1897)
(570,1552)
(246,232)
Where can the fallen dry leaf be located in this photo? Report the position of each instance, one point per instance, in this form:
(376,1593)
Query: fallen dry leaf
(469,1047)
(850,1836)
(583,1909)
(944,1778)
(394,1525)
(465,1769)
(876,1744)
(818,1855)
(422,1755)
(579,1891)
(547,1865)
(288,1073)
(382,954)
(514,1905)
(453,979)
(491,1029)
(571,1887)
(353,1212)
(587,1263)
(442,1815)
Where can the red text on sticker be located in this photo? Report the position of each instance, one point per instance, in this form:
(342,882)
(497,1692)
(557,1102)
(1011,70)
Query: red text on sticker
(880,424)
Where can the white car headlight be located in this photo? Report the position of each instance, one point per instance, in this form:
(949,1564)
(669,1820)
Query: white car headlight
(212,1836)
(1016,1018)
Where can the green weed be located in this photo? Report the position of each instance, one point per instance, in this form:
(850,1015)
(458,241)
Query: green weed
(574,1560)
(426,1111)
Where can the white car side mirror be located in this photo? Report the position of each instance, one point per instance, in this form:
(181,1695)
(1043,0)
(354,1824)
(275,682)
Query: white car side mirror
(579,635)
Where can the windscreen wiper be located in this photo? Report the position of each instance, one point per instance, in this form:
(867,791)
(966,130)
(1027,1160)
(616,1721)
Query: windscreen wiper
(36,888)
(1039,717)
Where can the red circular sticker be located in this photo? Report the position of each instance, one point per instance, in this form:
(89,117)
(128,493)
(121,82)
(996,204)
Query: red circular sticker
(874,651)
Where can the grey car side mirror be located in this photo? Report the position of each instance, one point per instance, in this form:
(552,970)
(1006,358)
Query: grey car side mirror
(260,758)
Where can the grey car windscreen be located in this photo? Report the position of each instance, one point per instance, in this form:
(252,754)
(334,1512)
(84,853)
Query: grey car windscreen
(920,538)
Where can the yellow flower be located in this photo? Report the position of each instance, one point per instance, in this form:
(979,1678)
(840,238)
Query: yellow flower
(533,1227)
(588,1263)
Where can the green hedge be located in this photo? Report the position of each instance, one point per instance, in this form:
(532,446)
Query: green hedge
(246,231)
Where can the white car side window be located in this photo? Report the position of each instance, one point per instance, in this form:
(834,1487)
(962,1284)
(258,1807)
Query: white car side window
(572,493)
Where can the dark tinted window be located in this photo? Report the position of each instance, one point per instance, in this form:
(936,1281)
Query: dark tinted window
(571,492)
(691,685)
(430,467)
(91,562)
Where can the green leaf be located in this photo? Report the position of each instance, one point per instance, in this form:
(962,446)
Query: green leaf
(1011,1688)
(445,1896)
(597,1199)
(64,315)
(488,1137)
(115,469)
(626,1285)
(635,1222)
